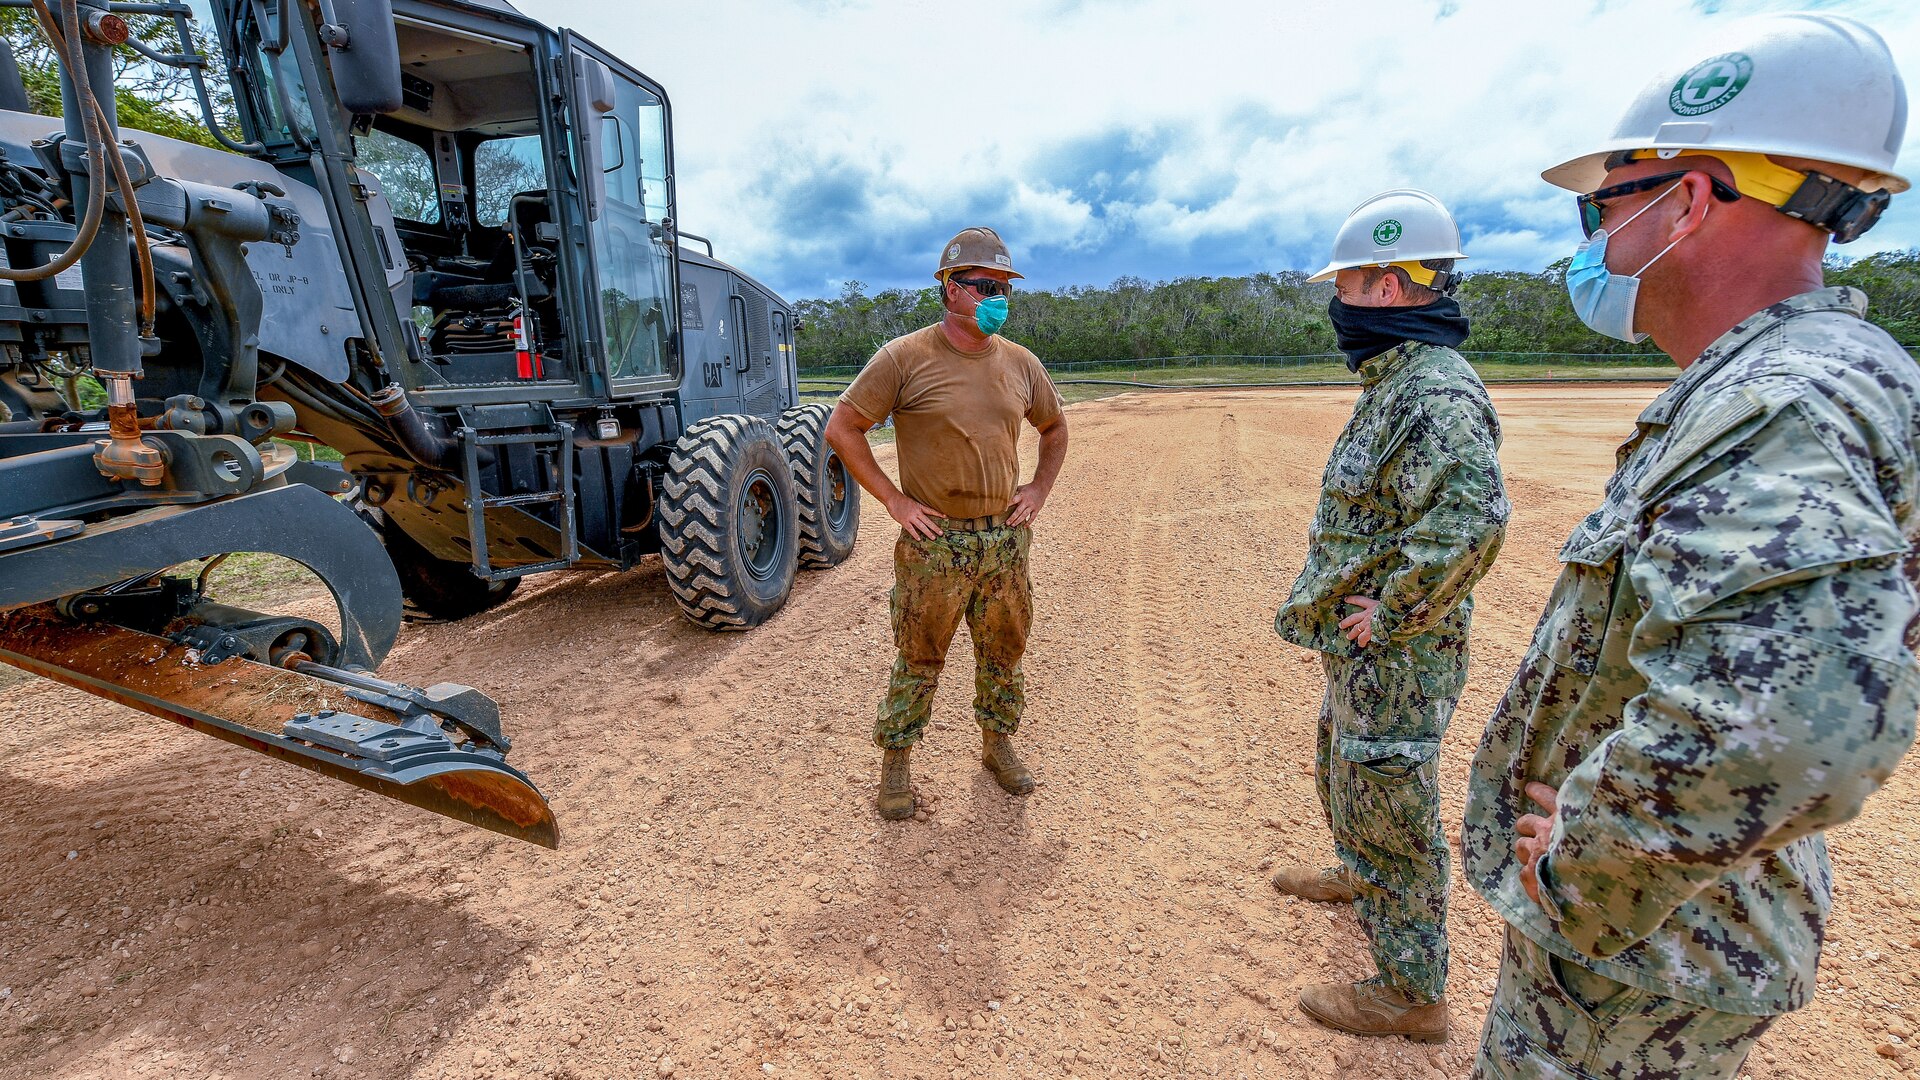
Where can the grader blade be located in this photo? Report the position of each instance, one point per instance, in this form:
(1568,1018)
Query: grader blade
(348,730)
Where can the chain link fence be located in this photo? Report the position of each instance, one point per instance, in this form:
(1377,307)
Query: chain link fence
(1571,361)
(1192,371)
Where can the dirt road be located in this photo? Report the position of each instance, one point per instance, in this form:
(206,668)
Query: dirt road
(726,903)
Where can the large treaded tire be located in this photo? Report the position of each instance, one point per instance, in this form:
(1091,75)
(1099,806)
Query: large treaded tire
(436,589)
(727,523)
(827,499)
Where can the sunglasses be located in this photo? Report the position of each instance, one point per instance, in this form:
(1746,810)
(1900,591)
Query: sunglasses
(983,286)
(1590,208)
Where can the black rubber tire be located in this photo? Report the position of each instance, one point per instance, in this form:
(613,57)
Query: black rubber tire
(826,497)
(436,589)
(725,570)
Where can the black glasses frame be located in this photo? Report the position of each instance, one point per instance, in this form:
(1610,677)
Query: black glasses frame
(1590,208)
(984,286)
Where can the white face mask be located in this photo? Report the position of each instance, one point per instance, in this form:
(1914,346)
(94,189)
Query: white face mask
(1605,300)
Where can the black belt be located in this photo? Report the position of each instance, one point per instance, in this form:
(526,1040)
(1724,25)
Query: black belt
(979,524)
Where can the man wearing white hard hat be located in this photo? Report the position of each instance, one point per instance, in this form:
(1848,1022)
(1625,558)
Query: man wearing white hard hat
(1725,668)
(1411,514)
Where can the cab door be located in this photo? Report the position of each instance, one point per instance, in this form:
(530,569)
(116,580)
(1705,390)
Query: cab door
(623,135)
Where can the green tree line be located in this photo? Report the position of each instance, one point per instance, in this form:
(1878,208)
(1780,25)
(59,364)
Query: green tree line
(1277,314)
(147,97)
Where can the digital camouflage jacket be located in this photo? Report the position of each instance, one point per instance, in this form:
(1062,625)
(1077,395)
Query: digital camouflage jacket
(1412,511)
(1724,669)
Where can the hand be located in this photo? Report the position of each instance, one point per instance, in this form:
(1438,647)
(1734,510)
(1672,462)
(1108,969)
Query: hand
(917,518)
(1534,830)
(1026,504)
(1359,625)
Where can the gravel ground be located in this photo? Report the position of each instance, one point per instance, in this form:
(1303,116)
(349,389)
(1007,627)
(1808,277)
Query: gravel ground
(727,903)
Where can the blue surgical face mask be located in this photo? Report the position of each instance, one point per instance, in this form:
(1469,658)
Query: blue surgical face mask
(991,314)
(1603,299)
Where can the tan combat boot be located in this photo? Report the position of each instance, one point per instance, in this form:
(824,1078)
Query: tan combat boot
(996,753)
(1332,885)
(1367,1008)
(896,785)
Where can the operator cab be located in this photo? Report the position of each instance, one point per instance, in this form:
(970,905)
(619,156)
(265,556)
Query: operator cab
(468,165)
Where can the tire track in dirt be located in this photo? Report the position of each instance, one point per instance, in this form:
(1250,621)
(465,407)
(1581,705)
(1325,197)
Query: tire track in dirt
(725,895)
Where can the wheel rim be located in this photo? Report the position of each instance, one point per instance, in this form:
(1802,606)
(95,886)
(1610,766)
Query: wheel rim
(759,517)
(839,504)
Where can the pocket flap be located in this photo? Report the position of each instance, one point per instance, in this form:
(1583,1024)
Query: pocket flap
(1596,541)
(1687,442)
(1355,470)
(1360,750)
(1786,510)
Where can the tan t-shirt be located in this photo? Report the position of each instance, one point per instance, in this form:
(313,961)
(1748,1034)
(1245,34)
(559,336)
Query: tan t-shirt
(957,416)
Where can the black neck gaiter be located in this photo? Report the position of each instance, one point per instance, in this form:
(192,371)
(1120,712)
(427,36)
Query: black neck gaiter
(1365,332)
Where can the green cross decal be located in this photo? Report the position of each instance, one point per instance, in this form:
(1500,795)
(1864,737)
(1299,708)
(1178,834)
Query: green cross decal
(1710,84)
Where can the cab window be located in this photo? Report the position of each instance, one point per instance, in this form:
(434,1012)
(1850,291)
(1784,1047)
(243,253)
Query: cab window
(405,173)
(503,168)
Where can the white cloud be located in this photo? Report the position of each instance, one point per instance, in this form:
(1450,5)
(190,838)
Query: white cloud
(1153,137)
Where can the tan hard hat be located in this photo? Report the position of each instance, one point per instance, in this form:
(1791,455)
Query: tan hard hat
(978,246)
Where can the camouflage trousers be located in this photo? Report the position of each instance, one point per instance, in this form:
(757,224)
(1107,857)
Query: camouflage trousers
(1377,767)
(977,576)
(1552,1019)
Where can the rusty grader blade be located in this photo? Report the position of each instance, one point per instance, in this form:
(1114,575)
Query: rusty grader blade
(370,740)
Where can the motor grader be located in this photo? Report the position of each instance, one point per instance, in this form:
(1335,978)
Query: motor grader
(439,238)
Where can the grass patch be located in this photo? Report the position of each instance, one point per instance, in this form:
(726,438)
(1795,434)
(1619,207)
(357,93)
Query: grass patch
(1093,383)
(307,451)
(250,579)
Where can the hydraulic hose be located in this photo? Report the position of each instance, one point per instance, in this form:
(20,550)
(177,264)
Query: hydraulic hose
(100,129)
(71,57)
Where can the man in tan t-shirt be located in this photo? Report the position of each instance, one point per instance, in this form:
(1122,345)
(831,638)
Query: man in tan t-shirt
(957,393)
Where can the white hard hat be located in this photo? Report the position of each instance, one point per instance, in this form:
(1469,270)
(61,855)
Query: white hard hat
(1822,87)
(1401,227)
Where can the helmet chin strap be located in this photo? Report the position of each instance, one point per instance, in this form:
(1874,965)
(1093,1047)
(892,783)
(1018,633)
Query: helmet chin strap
(1813,197)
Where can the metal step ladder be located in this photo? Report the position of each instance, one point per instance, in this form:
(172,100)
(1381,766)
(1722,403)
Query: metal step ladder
(553,450)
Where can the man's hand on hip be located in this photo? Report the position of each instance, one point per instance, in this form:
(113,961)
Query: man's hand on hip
(1026,504)
(916,517)
(1535,831)
(1359,625)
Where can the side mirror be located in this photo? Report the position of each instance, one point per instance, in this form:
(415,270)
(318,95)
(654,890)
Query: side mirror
(596,84)
(363,52)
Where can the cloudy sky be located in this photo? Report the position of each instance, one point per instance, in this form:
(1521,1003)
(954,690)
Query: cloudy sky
(825,140)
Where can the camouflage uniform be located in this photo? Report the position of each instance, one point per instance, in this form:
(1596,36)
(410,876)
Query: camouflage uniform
(1411,513)
(981,577)
(1580,1024)
(1724,670)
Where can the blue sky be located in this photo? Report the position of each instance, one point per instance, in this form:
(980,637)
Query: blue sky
(825,140)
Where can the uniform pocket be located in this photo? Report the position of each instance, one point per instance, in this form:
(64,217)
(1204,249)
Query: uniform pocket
(1389,763)
(1391,796)
(1353,472)
(1354,468)
(1575,620)
(1592,994)
(1386,704)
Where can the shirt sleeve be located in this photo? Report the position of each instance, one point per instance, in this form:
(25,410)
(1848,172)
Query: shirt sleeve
(1779,689)
(1047,406)
(1449,465)
(875,392)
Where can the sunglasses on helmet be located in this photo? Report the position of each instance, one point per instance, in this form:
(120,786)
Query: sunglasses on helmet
(1590,208)
(983,286)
